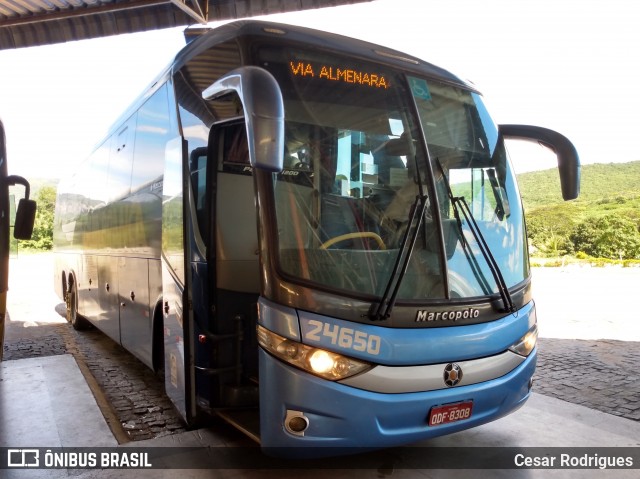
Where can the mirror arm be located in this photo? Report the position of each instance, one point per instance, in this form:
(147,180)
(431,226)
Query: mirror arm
(263,107)
(13,180)
(568,159)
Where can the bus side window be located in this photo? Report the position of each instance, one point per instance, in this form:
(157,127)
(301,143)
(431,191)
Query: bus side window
(233,149)
(238,149)
(120,161)
(152,135)
(236,238)
(198,169)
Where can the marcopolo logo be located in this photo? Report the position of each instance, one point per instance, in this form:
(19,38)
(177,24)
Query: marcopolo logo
(424,315)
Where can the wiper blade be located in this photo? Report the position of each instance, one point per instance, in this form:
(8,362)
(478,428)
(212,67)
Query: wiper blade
(488,255)
(502,205)
(482,243)
(384,308)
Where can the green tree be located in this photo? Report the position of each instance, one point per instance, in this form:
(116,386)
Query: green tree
(549,234)
(42,238)
(612,236)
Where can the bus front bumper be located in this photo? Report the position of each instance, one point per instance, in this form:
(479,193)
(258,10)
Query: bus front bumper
(304,416)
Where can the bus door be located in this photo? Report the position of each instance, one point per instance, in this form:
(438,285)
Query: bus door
(176,293)
(211,304)
(230,371)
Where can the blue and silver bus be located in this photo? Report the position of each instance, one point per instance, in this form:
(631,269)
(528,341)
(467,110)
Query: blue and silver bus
(319,239)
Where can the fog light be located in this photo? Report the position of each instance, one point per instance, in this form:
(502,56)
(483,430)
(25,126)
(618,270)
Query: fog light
(296,422)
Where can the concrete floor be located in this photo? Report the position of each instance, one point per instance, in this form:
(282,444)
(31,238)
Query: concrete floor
(45,402)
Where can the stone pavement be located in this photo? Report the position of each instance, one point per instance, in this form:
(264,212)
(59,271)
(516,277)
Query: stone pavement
(600,375)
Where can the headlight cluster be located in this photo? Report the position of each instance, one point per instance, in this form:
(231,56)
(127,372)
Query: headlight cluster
(326,364)
(526,343)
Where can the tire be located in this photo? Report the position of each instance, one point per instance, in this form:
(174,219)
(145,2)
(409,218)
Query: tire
(158,342)
(71,299)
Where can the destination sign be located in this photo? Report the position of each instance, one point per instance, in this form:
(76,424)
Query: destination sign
(339,74)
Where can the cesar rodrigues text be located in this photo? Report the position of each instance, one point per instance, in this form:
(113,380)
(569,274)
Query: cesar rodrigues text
(586,461)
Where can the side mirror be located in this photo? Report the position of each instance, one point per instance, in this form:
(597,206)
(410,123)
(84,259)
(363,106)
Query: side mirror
(568,160)
(25,218)
(26,213)
(263,108)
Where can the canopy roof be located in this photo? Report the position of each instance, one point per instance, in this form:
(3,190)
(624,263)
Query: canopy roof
(27,23)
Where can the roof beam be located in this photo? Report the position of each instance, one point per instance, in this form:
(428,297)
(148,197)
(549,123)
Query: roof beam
(199,12)
(28,23)
(72,13)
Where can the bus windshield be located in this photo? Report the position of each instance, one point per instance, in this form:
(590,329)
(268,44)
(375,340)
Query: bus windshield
(356,167)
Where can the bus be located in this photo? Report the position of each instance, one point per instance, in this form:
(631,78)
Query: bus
(319,239)
(21,219)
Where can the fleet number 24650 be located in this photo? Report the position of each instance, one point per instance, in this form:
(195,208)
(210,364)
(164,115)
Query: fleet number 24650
(347,338)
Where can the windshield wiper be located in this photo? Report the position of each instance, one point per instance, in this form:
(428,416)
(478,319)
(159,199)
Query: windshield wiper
(479,237)
(502,204)
(417,211)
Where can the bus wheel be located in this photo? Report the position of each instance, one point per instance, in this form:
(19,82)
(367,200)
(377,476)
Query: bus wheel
(71,300)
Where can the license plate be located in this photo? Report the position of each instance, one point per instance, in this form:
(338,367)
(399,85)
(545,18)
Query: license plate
(450,413)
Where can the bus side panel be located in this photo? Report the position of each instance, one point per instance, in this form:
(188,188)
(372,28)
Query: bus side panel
(87,278)
(135,313)
(108,321)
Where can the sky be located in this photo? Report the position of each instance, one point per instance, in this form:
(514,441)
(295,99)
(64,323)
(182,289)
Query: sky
(569,65)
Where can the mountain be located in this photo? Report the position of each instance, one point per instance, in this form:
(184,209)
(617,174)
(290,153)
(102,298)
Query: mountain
(604,221)
(598,182)
(603,188)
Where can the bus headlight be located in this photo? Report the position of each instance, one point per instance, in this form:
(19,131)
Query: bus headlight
(526,343)
(323,363)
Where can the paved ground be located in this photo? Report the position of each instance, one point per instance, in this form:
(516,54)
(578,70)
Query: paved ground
(129,394)
(599,374)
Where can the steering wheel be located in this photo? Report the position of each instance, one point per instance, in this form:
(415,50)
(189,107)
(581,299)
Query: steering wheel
(359,234)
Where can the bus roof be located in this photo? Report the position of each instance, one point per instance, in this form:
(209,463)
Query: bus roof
(302,35)
(325,40)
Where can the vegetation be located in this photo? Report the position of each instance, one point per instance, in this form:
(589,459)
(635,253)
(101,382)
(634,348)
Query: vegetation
(601,226)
